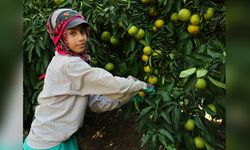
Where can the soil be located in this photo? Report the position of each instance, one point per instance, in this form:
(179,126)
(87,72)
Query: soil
(109,131)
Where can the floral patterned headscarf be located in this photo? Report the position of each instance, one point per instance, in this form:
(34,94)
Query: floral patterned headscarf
(58,22)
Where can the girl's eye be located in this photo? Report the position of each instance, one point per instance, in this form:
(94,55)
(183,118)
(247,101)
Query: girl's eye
(72,33)
(83,31)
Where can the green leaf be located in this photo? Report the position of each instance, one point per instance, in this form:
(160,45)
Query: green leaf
(217,83)
(186,73)
(167,134)
(143,42)
(163,140)
(201,73)
(145,111)
(183,36)
(208,146)
(177,116)
(146,138)
(154,139)
(188,47)
(189,142)
(199,123)
(166,116)
(165,96)
(38,51)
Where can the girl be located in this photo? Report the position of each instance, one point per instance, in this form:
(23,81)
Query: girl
(71,84)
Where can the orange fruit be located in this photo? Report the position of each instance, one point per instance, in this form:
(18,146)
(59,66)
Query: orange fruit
(93,61)
(152,11)
(146,69)
(141,93)
(174,17)
(145,1)
(201,84)
(159,23)
(109,66)
(120,22)
(195,19)
(140,34)
(114,40)
(193,29)
(199,142)
(59,2)
(105,36)
(132,30)
(154,28)
(184,14)
(147,50)
(144,58)
(152,79)
(189,125)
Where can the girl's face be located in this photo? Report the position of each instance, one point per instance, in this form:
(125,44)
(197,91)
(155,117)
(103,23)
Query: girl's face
(76,38)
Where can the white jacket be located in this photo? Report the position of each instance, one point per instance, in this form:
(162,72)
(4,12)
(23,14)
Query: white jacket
(69,84)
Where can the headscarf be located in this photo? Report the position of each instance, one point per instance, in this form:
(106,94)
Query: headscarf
(57,23)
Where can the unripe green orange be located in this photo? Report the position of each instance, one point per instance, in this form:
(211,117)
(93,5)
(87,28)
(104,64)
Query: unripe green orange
(114,40)
(140,34)
(105,36)
(159,23)
(189,125)
(109,66)
(195,19)
(184,14)
(201,84)
(174,17)
(147,50)
(132,30)
(199,142)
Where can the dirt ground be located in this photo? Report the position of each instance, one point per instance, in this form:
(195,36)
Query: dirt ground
(109,131)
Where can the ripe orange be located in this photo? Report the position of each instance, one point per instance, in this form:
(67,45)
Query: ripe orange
(147,50)
(146,69)
(189,125)
(140,34)
(174,17)
(152,79)
(184,14)
(132,30)
(159,23)
(105,36)
(199,142)
(144,58)
(109,66)
(192,29)
(201,84)
(195,19)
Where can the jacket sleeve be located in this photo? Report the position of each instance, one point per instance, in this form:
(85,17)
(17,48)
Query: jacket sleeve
(86,80)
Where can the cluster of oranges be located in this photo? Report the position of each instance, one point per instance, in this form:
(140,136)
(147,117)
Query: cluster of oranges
(185,15)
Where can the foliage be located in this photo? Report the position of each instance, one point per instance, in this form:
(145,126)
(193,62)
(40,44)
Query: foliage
(183,58)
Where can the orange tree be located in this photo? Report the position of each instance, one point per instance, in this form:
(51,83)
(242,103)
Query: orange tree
(179,46)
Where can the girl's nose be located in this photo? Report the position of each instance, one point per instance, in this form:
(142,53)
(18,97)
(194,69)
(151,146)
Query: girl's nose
(82,36)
